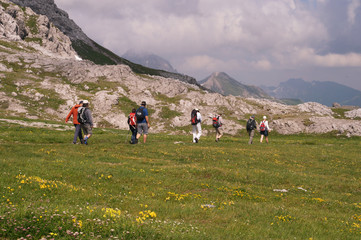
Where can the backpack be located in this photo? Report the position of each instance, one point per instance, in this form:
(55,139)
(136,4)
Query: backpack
(250,124)
(194,118)
(216,123)
(132,119)
(140,115)
(81,115)
(262,128)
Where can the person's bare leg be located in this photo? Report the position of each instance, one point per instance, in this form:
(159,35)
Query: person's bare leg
(144,138)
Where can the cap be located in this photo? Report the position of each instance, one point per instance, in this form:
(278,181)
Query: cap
(143,103)
(85,101)
(81,102)
(196,109)
(264,117)
(252,116)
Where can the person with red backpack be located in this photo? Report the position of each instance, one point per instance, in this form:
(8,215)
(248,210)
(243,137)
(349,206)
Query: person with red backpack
(196,119)
(217,124)
(74,112)
(264,129)
(132,122)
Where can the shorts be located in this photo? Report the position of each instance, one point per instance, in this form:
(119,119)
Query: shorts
(265,133)
(142,128)
(86,129)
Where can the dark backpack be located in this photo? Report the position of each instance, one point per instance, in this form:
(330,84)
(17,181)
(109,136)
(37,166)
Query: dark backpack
(140,115)
(216,123)
(81,115)
(194,119)
(262,128)
(250,124)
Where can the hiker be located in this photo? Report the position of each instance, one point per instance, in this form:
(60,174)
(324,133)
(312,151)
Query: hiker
(132,122)
(264,129)
(142,122)
(196,119)
(74,112)
(251,128)
(217,124)
(86,120)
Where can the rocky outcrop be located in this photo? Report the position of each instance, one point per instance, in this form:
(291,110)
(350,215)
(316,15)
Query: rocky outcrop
(57,16)
(356,113)
(36,30)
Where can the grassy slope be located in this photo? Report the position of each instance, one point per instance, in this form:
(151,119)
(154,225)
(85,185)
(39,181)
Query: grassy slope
(55,186)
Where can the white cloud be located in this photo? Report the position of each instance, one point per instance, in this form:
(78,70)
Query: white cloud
(203,36)
(309,57)
(352,10)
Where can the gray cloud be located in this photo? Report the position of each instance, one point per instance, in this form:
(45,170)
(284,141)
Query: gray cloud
(256,41)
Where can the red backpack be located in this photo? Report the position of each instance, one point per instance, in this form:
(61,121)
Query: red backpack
(262,127)
(194,119)
(216,123)
(132,119)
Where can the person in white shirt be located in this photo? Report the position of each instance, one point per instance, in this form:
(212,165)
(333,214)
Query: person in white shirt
(264,129)
(196,125)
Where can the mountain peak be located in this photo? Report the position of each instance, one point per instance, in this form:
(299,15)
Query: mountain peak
(148,59)
(222,83)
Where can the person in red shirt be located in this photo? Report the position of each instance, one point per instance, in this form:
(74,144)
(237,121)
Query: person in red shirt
(74,112)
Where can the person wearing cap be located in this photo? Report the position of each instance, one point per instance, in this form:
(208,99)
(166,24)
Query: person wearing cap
(264,129)
(74,113)
(251,128)
(196,119)
(142,122)
(87,126)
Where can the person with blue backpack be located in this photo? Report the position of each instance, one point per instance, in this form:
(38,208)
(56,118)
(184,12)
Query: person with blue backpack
(142,122)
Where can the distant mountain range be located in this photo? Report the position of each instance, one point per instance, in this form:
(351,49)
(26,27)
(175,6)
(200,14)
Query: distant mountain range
(149,60)
(325,93)
(222,83)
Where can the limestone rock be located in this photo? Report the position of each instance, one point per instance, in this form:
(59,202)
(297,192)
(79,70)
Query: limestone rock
(356,113)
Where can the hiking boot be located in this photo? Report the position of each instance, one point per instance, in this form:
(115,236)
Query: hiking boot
(81,141)
(196,139)
(74,142)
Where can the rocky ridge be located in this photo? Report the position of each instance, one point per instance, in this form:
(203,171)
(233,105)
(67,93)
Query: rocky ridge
(40,81)
(85,47)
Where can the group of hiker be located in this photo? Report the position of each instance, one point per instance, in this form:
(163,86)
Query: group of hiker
(138,121)
(217,122)
(263,128)
(82,120)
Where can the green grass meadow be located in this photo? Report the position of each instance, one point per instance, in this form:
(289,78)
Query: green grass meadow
(296,187)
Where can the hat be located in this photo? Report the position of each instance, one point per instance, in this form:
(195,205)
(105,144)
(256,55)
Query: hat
(252,116)
(196,109)
(143,103)
(81,102)
(264,117)
(85,101)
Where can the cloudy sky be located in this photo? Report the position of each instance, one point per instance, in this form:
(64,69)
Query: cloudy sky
(259,42)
